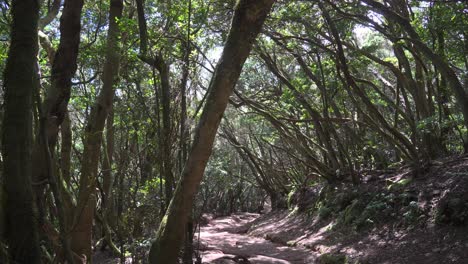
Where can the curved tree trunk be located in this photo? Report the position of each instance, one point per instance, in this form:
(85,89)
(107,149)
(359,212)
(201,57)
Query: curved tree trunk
(247,22)
(21,232)
(63,68)
(84,213)
(442,66)
(159,63)
(54,107)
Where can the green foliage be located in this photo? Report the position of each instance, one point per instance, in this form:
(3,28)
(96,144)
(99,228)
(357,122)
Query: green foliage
(281,143)
(399,184)
(428,124)
(291,196)
(412,213)
(323,212)
(151,186)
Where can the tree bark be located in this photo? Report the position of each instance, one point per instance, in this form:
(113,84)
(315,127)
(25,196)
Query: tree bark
(107,183)
(247,22)
(399,138)
(84,213)
(438,60)
(65,150)
(21,230)
(55,105)
(53,11)
(159,63)
(63,68)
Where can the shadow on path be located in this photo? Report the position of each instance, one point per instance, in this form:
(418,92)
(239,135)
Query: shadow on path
(225,238)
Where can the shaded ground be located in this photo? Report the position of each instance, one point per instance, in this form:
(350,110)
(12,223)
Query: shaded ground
(423,221)
(392,217)
(385,244)
(225,238)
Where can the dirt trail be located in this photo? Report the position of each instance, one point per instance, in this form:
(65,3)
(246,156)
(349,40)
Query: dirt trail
(225,238)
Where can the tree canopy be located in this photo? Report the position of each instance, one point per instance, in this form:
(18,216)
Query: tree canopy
(111,110)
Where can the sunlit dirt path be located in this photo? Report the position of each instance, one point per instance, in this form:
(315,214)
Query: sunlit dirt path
(225,239)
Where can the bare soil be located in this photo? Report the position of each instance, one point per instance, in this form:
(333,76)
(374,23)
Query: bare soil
(289,237)
(224,240)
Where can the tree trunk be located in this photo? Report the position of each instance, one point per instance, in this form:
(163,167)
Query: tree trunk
(65,150)
(21,230)
(84,213)
(166,133)
(54,107)
(159,63)
(184,133)
(107,175)
(247,22)
(439,62)
(395,136)
(63,68)
(108,182)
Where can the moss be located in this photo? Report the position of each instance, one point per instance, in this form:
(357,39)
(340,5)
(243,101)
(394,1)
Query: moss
(293,211)
(291,243)
(365,211)
(291,197)
(412,213)
(351,213)
(344,199)
(323,212)
(399,184)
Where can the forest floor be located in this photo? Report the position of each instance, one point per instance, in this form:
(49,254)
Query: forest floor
(225,240)
(392,218)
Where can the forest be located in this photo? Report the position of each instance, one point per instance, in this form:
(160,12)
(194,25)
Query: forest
(237,131)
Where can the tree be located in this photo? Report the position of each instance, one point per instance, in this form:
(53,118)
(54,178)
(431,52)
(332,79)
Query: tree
(330,91)
(84,211)
(158,62)
(248,19)
(64,65)
(445,69)
(21,83)
(53,111)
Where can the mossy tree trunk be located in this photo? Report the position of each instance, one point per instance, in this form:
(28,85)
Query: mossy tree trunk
(64,67)
(54,109)
(247,22)
(21,230)
(84,212)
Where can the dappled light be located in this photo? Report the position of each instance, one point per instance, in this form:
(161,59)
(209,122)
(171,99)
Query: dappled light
(221,238)
(233,132)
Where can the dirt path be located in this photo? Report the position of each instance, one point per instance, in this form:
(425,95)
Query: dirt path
(225,238)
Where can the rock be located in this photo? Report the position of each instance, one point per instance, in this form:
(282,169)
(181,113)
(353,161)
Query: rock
(205,219)
(223,261)
(351,212)
(304,197)
(453,206)
(232,260)
(454,203)
(329,258)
